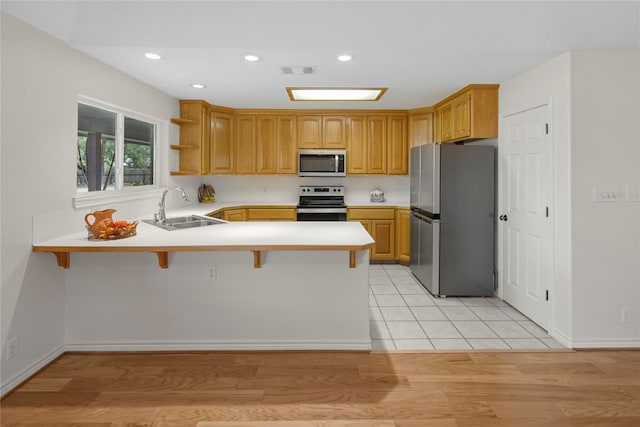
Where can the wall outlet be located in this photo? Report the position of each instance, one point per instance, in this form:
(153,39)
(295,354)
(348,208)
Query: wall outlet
(213,273)
(625,315)
(12,347)
(607,194)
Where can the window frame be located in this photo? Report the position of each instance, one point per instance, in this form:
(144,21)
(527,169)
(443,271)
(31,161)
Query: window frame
(124,194)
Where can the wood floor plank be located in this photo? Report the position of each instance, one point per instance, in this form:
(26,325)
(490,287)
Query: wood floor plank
(332,389)
(301,423)
(45,384)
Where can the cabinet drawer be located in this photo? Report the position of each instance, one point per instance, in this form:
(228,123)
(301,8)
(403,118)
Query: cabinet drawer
(270,214)
(368,213)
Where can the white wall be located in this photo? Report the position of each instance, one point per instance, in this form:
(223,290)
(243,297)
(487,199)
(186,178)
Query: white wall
(594,136)
(605,150)
(41,81)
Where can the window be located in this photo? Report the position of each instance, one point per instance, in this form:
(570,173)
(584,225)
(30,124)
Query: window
(115,150)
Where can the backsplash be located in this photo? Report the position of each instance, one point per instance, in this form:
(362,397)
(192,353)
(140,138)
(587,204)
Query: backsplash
(284,188)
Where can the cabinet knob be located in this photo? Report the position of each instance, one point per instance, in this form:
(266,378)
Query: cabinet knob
(503,218)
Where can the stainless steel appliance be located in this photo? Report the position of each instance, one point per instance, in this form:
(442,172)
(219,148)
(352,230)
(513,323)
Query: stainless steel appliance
(452,190)
(321,203)
(322,163)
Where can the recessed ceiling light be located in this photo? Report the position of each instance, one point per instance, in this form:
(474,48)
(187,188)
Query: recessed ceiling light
(151,55)
(198,85)
(251,57)
(345,58)
(335,94)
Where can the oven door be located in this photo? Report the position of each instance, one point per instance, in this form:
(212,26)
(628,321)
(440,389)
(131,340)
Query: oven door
(321,214)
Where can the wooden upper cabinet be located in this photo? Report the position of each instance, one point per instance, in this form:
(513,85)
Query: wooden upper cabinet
(333,132)
(377,144)
(286,148)
(420,129)
(445,122)
(397,146)
(222,142)
(245,144)
(193,149)
(309,131)
(266,145)
(462,116)
(322,132)
(357,151)
(471,113)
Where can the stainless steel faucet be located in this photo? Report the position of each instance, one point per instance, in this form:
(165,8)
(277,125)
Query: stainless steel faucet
(161,216)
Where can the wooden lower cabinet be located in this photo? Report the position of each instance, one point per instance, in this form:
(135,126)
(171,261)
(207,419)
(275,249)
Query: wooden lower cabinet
(380,223)
(403,243)
(389,227)
(234,215)
(271,214)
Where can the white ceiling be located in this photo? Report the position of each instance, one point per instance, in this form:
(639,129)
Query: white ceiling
(421,50)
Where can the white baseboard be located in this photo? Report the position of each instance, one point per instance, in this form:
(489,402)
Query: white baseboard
(561,338)
(605,343)
(358,345)
(7,386)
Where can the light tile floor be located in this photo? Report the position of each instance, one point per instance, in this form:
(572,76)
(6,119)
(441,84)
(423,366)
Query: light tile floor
(404,316)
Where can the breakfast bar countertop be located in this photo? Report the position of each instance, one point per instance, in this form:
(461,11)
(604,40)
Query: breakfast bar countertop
(228,236)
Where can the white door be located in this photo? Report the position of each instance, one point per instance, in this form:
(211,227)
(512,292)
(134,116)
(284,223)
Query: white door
(526,227)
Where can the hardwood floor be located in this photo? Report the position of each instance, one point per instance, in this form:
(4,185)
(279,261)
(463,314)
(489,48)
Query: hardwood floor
(332,389)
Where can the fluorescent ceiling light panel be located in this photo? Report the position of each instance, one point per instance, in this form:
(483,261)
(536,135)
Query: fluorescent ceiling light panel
(198,85)
(335,94)
(251,57)
(345,58)
(152,55)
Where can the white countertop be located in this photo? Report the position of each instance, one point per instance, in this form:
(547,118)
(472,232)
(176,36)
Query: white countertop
(233,235)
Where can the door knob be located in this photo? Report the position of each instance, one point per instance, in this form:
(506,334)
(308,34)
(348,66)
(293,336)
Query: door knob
(503,218)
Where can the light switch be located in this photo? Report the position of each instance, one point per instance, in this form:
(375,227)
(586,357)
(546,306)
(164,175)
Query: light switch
(632,195)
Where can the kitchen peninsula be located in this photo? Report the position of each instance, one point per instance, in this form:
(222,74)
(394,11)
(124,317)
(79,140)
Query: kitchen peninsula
(237,285)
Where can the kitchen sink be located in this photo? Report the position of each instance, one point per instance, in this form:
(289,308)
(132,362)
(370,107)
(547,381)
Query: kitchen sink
(182,222)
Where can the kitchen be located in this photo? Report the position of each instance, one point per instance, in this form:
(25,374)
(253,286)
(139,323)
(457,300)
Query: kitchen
(44,89)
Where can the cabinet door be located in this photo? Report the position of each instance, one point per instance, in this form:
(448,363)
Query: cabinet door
(309,131)
(462,116)
(286,149)
(420,129)
(382,231)
(266,145)
(245,144)
(445,122)
(357,145)
(403,218)
(377,147)
(333,133)
(221,151)
(235,215)
(398,149)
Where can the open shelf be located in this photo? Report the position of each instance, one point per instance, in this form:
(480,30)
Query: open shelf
(174,173)
(179,121)
(183,146)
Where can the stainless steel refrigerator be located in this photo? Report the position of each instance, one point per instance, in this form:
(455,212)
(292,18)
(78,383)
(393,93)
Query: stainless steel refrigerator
(452,218)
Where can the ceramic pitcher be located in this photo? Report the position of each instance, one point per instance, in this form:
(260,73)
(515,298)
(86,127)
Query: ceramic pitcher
(101,220)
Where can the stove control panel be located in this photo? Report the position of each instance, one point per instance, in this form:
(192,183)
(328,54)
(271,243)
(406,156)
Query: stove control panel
(321,190)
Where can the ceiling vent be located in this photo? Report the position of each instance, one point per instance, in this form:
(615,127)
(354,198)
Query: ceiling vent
(298,69)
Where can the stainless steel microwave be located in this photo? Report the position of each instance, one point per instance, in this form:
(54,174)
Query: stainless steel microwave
(321,163)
